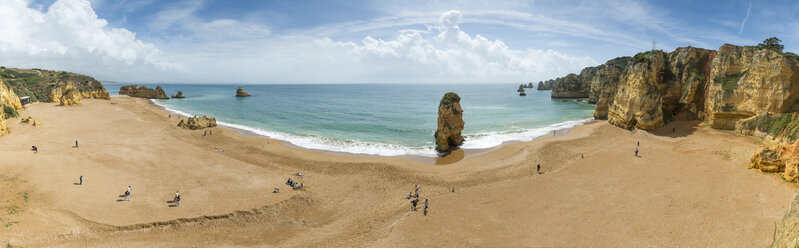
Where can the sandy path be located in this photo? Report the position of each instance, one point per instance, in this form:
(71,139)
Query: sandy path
(690,188)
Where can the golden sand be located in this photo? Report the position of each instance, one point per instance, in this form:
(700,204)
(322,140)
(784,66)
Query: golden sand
(689,188)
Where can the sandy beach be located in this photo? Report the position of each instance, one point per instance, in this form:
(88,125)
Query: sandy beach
(687,188)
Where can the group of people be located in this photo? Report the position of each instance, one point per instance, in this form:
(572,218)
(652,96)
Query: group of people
(208,132)
(292,183)
(415,201)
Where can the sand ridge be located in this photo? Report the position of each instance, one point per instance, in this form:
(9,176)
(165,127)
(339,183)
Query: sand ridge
(688,188)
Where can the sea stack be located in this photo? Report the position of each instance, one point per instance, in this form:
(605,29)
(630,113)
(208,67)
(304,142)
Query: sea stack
(143,92)
(450,123)
(178,95)
(240,92)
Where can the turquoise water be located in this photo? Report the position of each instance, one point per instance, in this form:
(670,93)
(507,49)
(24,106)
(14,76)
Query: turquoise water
(386,120)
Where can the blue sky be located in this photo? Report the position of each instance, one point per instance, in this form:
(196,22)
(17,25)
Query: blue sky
(215,41)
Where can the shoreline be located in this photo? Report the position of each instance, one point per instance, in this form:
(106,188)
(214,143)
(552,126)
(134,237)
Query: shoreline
(454,156)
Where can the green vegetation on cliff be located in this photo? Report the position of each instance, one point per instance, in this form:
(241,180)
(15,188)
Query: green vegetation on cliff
(38,83)
(448,99)
(777,125)
(729,82)
(8,111)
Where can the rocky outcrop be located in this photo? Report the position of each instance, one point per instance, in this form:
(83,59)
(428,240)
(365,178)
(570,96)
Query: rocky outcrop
(521,88)
(570,87)
(178,95)
(787,233)
(143,92)
(745,81)
(31,121)
(545,85)
(66,95)
(240,92)
(639,97)
(9,104)
(604,84)
(195,123)
(46,86)
(530,85)
(450,123)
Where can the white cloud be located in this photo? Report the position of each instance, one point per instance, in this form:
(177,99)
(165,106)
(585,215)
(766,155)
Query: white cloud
(443,53)
(70,36)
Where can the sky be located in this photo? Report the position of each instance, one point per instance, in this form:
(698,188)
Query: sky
(364,41)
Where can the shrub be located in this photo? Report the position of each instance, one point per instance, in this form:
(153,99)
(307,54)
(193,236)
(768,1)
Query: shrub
(8,111)
(772,43)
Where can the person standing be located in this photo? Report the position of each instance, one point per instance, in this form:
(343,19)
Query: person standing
(127,194)
(538,168)
(210,132)
(636,151)
(177,196)
(178,200)
(81,180)
(76,144)
(205,132)
(425,206)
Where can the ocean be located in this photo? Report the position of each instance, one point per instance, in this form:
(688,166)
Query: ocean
(376,119)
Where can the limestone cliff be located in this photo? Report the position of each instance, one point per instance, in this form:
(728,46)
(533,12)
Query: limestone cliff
(143,92)
(788,231)
(9,104)
(691,69)
(639,97)
(570,86)
(195,123)
(46,86)
(603,85)
(746,81)
(241,93)
(450,123)
(545,85)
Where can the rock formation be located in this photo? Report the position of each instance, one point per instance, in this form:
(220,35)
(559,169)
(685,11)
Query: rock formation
(530,85)
(745,81)
(521,88)
(195,123)
(570,86)
(604,84)
(240,92)
(9,104)
(31,121)
(640,92)
(450,123)
(143,92)
(178,95)
(46,86)
(545,85)
(787,234)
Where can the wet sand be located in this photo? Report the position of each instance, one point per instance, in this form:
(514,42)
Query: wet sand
(689,188)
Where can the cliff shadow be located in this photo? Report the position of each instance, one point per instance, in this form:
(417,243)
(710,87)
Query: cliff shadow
(454,156)
(677,129)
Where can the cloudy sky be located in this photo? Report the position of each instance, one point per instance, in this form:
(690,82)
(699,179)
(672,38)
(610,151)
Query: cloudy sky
(363,41)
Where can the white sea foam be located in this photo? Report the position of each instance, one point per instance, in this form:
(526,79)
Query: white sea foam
(473,141)
(492,139)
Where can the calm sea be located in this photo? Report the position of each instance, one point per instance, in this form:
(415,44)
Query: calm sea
(387,120)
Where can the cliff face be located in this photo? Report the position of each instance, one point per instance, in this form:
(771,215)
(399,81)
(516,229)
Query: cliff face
(450,123)
(691,68)
(46,86)
(604,84)
(143,92)
(788,231)
(745,81)
(8,100)
(639,97)
(569,86)
(545,85)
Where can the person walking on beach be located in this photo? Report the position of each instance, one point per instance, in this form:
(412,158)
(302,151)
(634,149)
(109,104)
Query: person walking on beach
(636,151)
(81,180)
(413,204)
(205,132)
(417,191)
(127,194)
(639,143)
(76,144)
(425,206)
(538,168)
(177,196)
(210,132)
(177,199)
